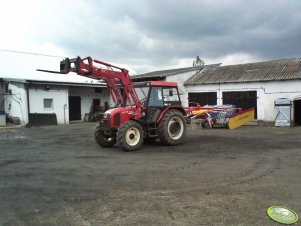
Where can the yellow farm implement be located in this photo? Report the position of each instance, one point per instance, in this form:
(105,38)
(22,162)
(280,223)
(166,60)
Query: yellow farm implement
(226,115)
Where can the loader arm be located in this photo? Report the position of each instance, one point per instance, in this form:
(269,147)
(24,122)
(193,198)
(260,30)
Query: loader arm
(87,67)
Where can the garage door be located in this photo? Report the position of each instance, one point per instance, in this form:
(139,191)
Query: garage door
(244,100)
(203,98)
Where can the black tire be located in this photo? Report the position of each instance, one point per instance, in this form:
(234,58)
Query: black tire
(103,140)
(130,135)
(172,128)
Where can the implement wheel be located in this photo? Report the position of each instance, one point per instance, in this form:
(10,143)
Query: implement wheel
(130,135)
(104,141)
(172,128)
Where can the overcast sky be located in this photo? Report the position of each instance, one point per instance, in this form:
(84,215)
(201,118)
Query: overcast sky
(154,34)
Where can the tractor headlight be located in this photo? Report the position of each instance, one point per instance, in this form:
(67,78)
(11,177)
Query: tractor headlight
(106,115)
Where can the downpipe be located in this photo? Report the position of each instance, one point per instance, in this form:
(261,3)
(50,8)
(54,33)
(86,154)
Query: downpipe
(65,105)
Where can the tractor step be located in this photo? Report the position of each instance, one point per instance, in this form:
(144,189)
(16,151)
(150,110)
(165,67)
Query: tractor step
(152,131)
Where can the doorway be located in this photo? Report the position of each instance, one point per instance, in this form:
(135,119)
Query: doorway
(95,105)
(242,99)
(75,108)
(297,112)
(202,98)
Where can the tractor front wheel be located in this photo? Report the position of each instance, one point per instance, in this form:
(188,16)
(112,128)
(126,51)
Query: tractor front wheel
(172,128)
(104,141)
(130,135)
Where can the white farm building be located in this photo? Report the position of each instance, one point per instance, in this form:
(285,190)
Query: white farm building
(255,85)
(51,101)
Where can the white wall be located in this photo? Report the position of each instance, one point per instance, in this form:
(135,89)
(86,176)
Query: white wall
(180,79)
(16,104)
(267,92)
(87,95)
(59,94)
(274,90)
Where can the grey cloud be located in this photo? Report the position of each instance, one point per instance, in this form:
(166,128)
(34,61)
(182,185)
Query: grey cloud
(115,31)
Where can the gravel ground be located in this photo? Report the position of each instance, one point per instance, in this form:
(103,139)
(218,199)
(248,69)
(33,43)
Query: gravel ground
(57,175)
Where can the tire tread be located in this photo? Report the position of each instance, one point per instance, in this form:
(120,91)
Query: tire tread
(121,135)
(162,128)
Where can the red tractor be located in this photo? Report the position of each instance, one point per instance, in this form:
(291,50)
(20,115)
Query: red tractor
(144,110)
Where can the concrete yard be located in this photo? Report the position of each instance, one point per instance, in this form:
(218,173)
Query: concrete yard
(57,175)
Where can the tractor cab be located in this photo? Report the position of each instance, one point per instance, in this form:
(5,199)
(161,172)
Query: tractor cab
(156,98)
(158,94)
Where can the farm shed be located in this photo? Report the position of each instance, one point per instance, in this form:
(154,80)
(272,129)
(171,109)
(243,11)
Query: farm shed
(250,85)
(51,102)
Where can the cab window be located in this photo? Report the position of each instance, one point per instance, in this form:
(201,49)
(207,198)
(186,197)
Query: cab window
(170,96)
(155,98)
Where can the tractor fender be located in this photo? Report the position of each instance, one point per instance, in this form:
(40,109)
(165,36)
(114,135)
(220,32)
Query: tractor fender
(179,108)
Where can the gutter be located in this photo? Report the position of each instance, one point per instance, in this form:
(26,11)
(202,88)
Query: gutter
(28,105)
(101,85)
(41,82)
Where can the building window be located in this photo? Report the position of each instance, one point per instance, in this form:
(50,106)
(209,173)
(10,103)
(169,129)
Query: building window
(48,103)
(98,90)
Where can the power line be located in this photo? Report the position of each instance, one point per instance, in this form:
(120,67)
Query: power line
(30,53)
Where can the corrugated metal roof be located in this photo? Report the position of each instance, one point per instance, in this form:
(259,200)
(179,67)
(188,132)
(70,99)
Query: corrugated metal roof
(50,77)
(62,83)
(165,73)
(274,70)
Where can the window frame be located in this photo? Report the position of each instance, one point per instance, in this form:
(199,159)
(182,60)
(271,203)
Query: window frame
(156,102)
(44,103)
(171,100)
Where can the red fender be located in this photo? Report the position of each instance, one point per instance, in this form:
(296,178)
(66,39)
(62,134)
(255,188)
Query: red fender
(179,108)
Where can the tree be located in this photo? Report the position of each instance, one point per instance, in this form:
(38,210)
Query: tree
(198,62)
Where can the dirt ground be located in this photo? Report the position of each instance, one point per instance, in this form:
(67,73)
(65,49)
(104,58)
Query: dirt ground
(57,175)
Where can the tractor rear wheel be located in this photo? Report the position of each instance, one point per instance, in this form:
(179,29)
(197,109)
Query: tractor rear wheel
(172,128)
(104,141)
(130,135)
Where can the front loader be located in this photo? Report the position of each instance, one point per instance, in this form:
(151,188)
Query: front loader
(143,111)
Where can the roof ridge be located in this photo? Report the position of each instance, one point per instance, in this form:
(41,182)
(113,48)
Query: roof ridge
(264,61)
(272,70)
(167,71)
